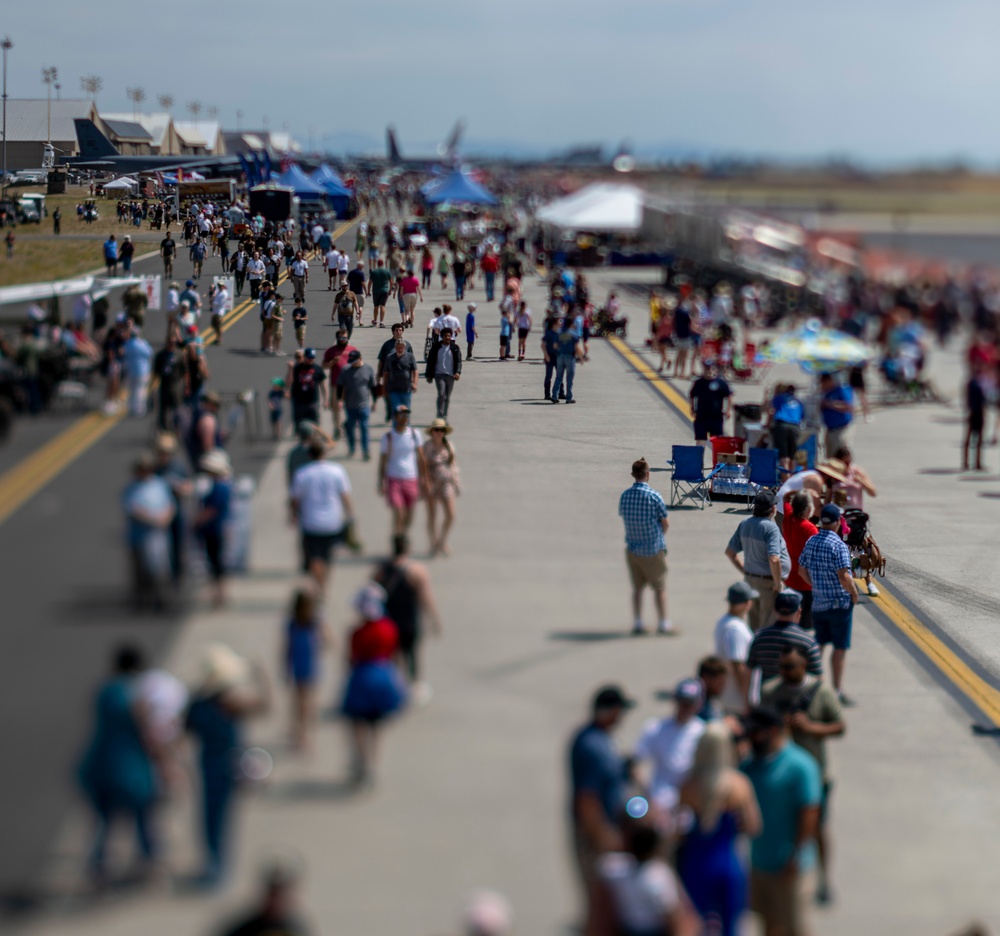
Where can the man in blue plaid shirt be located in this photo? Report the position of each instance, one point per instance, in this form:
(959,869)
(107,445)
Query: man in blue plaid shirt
(645,514)
(825,563)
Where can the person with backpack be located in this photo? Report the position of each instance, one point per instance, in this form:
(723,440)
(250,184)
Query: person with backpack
(408,593)
(345,307)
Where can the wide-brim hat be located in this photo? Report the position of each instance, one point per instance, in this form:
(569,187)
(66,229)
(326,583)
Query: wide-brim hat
(833,468)
(216,462)
(440,424)
(222,668)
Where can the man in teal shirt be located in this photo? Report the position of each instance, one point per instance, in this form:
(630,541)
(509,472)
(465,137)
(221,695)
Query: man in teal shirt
(787,782)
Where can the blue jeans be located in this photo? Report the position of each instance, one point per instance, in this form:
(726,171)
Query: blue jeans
(108,807)
(491,279)
(217,797)
(550,372)
(459,287)
(565,369)
(398,399)
(833,626)
(357,418)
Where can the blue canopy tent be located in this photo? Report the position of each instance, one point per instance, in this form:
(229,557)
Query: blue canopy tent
(458,189)
(294,178)
(338,194)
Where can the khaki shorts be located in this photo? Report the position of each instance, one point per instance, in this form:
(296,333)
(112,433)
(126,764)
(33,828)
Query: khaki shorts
(647,570)
(782,901)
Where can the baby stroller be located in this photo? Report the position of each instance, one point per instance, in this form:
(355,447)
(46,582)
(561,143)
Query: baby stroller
(865,553)
(606,324)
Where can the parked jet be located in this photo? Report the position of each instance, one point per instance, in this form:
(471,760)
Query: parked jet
(98,152)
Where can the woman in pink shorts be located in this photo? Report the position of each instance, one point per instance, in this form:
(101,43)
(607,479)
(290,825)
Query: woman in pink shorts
(402,469)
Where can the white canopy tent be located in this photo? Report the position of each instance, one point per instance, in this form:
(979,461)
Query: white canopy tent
(121,185)
(598,208)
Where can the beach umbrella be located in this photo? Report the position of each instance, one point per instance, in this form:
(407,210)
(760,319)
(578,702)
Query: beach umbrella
(816,349)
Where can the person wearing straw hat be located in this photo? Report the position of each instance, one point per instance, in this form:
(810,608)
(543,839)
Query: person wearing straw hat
(231,689)
(442,484)
(213,513)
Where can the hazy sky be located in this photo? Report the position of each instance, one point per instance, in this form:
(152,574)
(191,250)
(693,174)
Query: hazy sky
(879,80)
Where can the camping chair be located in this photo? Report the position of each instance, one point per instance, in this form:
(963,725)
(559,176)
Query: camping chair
(689,481)
(762,471)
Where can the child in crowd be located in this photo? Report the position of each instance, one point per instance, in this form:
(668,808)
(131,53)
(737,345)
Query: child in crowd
(470,331)
(306,636)
(278,316)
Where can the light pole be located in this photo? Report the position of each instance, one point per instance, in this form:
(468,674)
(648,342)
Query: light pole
(49,76)
(6,45)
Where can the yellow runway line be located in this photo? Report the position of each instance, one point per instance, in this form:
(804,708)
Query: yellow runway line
(665,389)
(20,483)
(959,673)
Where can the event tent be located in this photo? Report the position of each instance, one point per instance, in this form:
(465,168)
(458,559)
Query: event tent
(601,207)
(338,194)
(294,178)
(457,189)
(121,185)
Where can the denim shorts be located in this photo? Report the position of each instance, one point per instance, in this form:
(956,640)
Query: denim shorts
(833,626)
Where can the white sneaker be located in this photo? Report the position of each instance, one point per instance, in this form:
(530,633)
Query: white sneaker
(665,627)
(873,590)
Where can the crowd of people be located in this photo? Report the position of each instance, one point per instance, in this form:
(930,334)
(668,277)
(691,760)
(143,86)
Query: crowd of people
(659,835)
(743,754)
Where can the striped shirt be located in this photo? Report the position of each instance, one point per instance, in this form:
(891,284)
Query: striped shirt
(768,642)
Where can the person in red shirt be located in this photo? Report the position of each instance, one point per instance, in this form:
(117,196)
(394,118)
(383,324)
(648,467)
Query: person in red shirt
(375,687)
(334,361)
(797,528)
(490,264)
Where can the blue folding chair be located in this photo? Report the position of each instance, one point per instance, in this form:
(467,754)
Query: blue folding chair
(689,481)
(762,472)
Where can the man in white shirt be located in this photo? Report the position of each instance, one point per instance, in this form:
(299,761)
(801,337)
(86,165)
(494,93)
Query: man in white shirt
(343,266)
(300,277)
(732,645)
(669,744)
(316,233)
(402,469)
(321,504)
(446,320)
(332,263)
(255,273)
(220,305)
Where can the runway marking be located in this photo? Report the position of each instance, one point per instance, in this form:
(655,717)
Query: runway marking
(948,663)
(665,389)
(22,482)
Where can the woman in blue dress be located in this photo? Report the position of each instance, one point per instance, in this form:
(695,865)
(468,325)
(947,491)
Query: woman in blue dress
(306,636)
(721,806)
(117,773)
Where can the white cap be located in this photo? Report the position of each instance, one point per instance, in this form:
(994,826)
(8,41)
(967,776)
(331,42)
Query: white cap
(472,307)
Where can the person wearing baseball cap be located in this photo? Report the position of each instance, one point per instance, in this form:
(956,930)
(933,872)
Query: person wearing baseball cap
(766,563)
(769,641)
(732,645)
(598,776)
(825,563)
(668,744)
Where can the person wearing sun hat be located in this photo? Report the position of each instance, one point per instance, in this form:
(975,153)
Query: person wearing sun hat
(817,482)
(442,484)
(230,690)
(212,515)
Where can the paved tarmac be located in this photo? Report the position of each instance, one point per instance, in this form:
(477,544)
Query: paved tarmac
(535,604)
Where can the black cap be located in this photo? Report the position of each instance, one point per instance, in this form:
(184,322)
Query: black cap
(763,503)
(787,601)
(353,356)
(764,716)
(612,697)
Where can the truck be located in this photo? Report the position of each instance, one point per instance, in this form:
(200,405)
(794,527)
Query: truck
(273,202)
(216,189)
